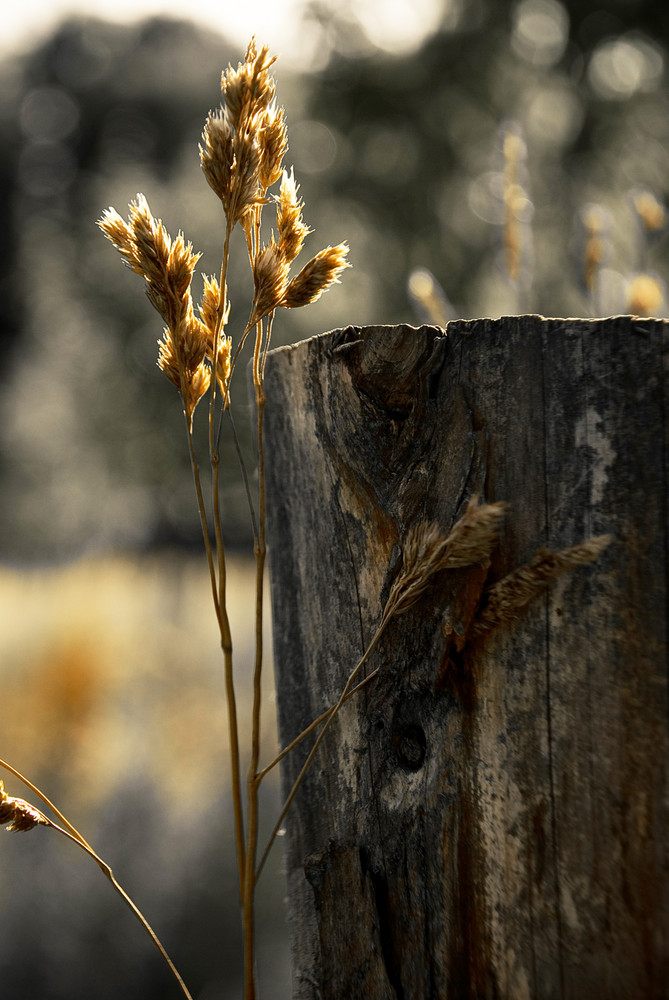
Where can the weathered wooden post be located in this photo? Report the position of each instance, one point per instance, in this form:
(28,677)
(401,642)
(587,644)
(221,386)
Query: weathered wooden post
(490,823)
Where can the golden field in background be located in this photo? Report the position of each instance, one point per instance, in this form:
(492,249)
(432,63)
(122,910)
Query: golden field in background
(112,665)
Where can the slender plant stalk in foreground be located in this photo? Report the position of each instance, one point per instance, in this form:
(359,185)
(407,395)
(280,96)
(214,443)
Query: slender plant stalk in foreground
(242,151)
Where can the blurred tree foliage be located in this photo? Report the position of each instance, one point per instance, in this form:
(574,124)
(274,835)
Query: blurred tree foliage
(400,155)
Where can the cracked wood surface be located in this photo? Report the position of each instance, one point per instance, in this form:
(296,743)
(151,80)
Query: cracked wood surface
(493,824)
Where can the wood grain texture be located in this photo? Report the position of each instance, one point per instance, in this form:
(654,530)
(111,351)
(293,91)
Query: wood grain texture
(491,823)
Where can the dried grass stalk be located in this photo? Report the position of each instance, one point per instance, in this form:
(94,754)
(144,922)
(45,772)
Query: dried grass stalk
(515,200)
(505,600)
(595,246)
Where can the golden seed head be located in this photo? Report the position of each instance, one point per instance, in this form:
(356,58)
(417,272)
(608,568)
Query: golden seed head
(181,357)
(217,154)
(231,163)
(316,276)
(209,313)
(273,141)
(224,364)
(167,266)
(117,230)
(167,359)
(292,230)
(245,191)
(208,309)
(196,386)
(270,276)
(505,600)
(249,89)
(18,814)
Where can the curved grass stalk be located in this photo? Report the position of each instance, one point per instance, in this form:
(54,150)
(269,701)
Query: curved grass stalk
(69,831)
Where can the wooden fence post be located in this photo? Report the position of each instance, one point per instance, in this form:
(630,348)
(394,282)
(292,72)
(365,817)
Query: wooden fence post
(491,824)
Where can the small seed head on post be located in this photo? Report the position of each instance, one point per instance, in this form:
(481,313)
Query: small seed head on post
(504,601)
(427,551)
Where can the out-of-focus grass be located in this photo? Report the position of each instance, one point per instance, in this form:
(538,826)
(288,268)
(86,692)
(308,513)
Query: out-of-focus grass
(113,700)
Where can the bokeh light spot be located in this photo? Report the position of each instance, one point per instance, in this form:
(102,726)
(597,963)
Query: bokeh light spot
(401,26)
(390,155)
(46,168)
(554,116)
(540,31)
(313,147)
(48,114)
(621,67)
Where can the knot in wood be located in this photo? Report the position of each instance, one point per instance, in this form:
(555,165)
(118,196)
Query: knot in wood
(410,745)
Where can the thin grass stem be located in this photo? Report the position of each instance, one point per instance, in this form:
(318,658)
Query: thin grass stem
(245,476)
(108,873)
(319,739)
(203,520)
(220,599)
(252,779)
(314,725)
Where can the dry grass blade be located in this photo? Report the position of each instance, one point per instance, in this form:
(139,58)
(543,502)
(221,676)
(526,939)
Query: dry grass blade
(427,551)
(506,599)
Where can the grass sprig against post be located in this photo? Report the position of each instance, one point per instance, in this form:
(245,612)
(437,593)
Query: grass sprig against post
(242,151)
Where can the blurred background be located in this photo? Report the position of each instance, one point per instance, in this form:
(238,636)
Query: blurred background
(480,157)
